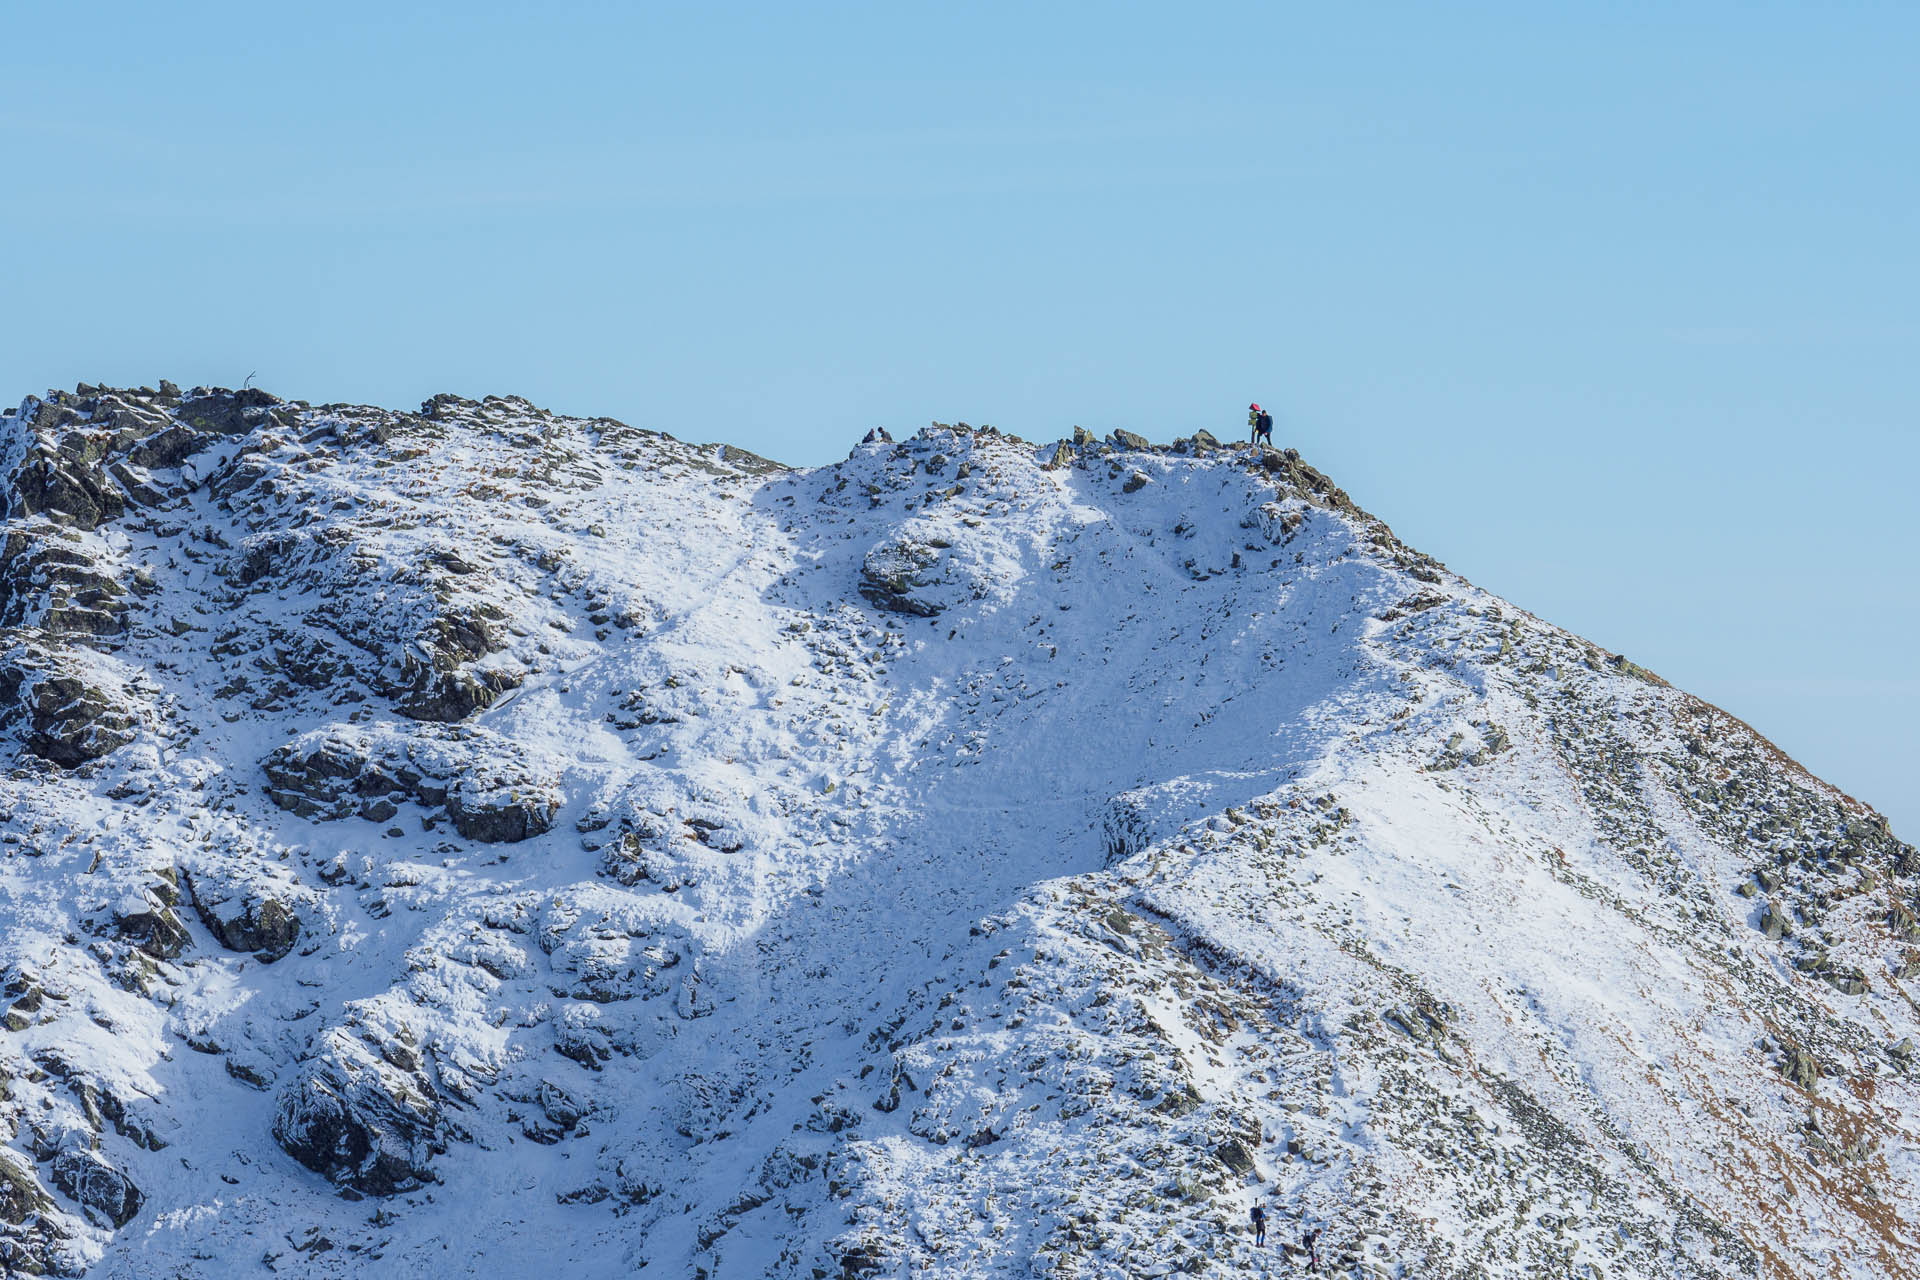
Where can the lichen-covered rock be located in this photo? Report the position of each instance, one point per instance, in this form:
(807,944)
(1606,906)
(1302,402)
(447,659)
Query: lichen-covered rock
(30,1237)
(21,1196)
(107,1195)
(228,412)
(1130,440)
(361,1122)
(1801,1067)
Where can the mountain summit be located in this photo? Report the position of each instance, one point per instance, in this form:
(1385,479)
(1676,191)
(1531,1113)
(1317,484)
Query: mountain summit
(476,840)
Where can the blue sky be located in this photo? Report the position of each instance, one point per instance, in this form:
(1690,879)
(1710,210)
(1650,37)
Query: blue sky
(1611,307)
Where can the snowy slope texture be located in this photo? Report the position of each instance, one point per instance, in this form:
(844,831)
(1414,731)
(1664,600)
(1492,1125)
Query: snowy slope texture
(476,841)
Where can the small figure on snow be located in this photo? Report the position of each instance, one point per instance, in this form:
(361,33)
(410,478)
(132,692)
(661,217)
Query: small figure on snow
(1311,1243)
(1259,1226)
(1261,422)
(878,436)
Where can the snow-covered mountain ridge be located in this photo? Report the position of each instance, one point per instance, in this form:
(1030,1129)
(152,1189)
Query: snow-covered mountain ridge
(473,839)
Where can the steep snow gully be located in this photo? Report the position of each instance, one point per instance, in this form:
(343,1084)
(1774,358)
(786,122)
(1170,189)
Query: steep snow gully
(462,841)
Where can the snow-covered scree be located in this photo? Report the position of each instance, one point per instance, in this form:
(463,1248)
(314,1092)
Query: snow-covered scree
(468,841)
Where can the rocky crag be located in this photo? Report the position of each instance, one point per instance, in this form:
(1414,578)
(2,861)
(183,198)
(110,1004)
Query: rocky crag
(458,841)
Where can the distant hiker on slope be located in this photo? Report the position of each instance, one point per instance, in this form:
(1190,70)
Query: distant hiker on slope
(1311,1243)
(878,436)
(1259,1226)
(1261,422)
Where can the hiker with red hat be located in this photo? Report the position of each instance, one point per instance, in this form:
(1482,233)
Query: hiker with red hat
(1262,423)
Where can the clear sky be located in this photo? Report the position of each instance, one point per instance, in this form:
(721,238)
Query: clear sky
(1612,307)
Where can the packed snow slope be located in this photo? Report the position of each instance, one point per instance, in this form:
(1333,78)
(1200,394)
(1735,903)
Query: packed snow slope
(475,841)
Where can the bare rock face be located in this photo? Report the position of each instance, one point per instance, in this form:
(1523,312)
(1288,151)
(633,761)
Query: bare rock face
(91,453)
(363,1123)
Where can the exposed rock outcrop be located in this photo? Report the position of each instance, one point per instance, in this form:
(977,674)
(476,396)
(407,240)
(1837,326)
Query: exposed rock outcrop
(486,786)
(107,1195)
(362,1122)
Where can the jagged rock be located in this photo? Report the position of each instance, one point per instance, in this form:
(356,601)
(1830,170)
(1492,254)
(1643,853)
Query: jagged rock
(168,448)
(1204,440)
(32,1243)
(107,1195)
(1233,1153)
(1801,1067)
(359,1121)
(68,721)
(1130,440)
(1772,922)
(249,921)
(449,696)
(21,1196)
(321,776)
(1136,482)
(1082,437)
(1849,984)
(1062,456)
(228,412)
(559,1106)
(151,926)
(47,582)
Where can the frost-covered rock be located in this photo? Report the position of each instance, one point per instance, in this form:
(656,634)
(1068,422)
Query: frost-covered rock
(61,715)
(493,792)
(360,1121)
(104,1192)
(246,917)
(890,576)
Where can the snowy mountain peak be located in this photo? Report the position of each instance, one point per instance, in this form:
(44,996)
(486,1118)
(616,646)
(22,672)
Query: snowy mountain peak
(475,839)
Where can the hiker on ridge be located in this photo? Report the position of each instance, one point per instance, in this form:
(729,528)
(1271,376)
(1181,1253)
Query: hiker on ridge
(1259,1226)
(1261,422)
